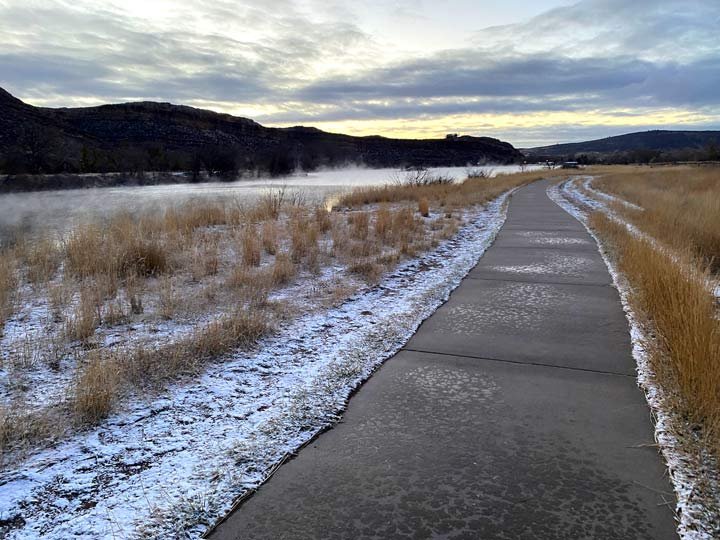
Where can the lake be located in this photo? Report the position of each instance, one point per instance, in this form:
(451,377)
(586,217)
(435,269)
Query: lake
(59,209)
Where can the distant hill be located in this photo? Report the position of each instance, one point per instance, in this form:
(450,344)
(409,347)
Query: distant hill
(162,136)
(658,140)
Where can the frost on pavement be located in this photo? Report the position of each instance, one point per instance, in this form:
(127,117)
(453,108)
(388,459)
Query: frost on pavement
(171,466)
(693,474)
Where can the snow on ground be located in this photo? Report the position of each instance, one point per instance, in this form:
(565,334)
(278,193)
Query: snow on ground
(170,466)
(587,185)
(695,478)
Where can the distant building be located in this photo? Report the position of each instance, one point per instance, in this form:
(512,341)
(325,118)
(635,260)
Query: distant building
(571,165)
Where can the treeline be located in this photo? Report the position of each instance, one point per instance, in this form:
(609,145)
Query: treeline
(710,152)
(47,152)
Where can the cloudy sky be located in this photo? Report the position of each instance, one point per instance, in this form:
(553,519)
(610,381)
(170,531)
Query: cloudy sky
(528,71)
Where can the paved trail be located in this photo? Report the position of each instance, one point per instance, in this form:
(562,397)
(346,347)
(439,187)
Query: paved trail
(513,413)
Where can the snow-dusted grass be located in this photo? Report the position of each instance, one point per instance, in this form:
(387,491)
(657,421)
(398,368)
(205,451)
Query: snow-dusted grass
(163,292)
(171,465)
(676,343)
(155,408)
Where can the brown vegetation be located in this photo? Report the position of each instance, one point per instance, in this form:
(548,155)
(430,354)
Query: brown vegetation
(424,207)
(670,289)
(8,285)
(477,190)
(213,261)
(95,388)
(681,205)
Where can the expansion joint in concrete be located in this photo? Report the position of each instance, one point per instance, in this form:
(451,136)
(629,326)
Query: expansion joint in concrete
(541,282)
(520,362)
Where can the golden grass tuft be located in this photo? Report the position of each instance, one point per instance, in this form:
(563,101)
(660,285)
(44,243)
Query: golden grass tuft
(283,270)
(368,270)
(270,237)
(383,221)
(303,237)
(8,284)
(42,257)
(86,318)
(95,389)
(359,222)
(121,249)
(424,207)
(322,219)
(150,367)
(251,252)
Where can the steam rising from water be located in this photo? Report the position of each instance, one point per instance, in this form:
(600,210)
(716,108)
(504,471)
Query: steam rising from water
(58,210)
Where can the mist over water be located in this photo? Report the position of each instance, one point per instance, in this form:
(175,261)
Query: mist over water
(58,210)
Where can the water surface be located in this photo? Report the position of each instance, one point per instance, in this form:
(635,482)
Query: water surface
(60,209)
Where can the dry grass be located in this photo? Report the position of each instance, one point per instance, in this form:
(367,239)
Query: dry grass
(270,237)
(144,367)
(96,388)
(20,428)
(59,296)
(383,221)
(168,301)
(86,318)
(190,216)
(683,316)
(42,258)
(681,205)
(359,222)
(456,194)
(303,236)
(251,253)
(424,207)
(8,285)
(322,219)
(283,270)
(141,268)
(121,249)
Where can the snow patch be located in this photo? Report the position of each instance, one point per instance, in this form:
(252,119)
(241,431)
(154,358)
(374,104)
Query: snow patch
(170,466)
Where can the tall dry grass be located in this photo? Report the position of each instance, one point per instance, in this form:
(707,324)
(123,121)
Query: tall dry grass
(477,190)
(96,388)
(140,267)
(683,316)
(251,247)
(143,367)
(8,285)
(122,248)
(42,258)
(681,205)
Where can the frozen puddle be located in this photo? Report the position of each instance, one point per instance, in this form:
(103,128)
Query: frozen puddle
(172,465)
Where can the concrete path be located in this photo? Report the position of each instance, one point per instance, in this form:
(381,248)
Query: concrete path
(513,413)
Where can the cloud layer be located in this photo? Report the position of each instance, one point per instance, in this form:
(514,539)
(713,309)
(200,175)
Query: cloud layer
(573,71)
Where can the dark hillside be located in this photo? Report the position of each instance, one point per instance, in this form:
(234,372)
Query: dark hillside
(143,136)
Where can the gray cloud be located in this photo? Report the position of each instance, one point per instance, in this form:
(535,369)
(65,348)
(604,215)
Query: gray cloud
(598,55)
